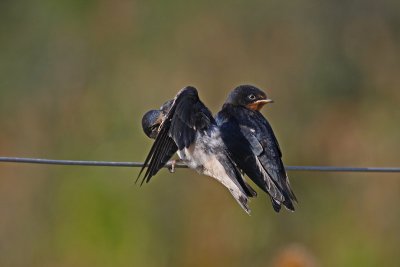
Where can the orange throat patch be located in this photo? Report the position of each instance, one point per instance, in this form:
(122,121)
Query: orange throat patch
(256,105)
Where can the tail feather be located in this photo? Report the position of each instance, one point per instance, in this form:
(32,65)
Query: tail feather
(276,205)
(289,195)
(243,202)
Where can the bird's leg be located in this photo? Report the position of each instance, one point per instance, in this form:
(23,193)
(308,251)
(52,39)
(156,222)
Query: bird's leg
(171,168)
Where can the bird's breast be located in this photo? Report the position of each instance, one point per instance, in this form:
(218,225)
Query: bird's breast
(202,153)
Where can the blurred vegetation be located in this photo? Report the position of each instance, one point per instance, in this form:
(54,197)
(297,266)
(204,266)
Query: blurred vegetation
(76,77)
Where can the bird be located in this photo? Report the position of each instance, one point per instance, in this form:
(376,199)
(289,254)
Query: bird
(190,129)
(252,144)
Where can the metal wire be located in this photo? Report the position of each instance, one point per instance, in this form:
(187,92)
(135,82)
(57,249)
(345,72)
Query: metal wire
(181,165)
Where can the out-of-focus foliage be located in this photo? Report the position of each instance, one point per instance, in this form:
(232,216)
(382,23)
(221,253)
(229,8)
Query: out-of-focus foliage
(76,77)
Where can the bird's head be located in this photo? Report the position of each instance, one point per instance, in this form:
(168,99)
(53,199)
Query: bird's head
(152,119)
(151,122)
(249,97)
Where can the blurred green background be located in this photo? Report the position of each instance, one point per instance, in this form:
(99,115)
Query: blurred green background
(76,77)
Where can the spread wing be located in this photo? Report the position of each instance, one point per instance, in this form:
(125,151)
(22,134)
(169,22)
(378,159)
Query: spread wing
(186,116)
(255,150)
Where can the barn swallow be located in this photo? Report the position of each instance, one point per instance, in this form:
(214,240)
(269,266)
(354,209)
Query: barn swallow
(190,130)
(252,144)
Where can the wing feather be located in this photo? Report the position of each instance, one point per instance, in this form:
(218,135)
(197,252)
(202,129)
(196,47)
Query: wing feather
(178,130)
(254,148)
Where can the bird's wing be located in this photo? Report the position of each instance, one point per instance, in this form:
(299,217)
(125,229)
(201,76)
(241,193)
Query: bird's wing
(271,156)
(244,149)
(255,150)
(186,115)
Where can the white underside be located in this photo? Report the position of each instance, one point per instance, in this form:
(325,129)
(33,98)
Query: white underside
(198,157)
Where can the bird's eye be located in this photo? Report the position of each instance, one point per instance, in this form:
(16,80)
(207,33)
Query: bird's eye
(252,97)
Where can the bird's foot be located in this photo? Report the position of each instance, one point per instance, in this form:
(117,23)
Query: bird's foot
(171,168)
